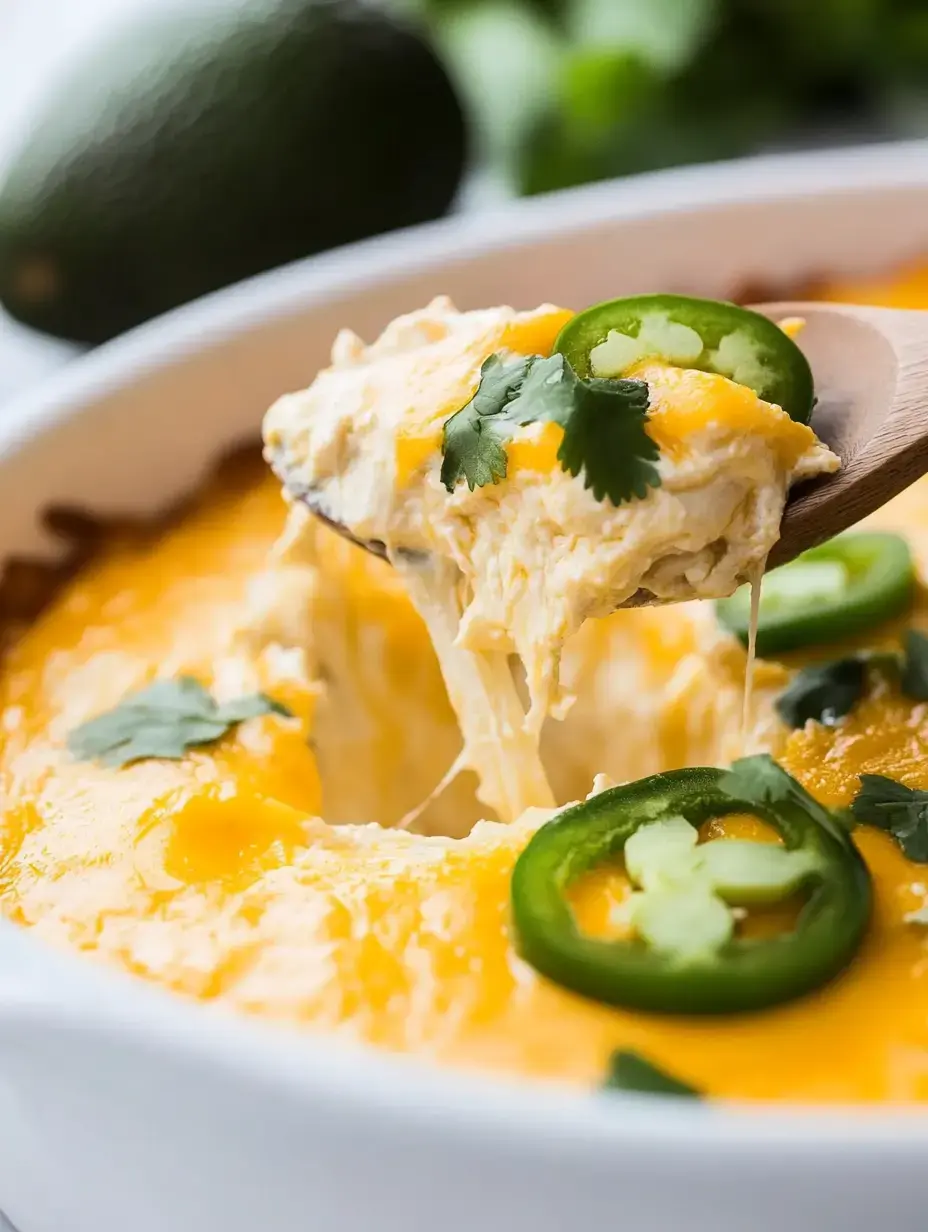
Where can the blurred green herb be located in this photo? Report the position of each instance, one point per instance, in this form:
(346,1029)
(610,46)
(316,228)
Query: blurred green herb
(565,91)
(164,720)
(824,692)
(630,1071)
(899,810)
(914,677)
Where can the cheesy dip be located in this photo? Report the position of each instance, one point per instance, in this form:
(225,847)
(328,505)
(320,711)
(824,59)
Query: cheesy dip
(230,760)
(515,565)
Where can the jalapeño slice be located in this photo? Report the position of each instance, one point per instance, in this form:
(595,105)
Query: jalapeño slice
(842,588)
(608,339)
(732,974)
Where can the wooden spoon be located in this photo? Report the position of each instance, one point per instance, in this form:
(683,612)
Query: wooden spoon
(871,378)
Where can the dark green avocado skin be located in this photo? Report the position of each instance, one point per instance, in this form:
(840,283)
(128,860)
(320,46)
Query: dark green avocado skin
(203,147)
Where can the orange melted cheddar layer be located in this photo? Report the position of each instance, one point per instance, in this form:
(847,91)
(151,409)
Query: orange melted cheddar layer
(682,404)
(215,876)
(452,362)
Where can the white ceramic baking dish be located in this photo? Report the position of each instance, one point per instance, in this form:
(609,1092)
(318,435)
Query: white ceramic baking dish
(123,1109)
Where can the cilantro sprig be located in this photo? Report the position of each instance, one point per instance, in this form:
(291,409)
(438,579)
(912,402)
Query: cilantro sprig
(604,422)
(473,438)
(826,692)
(760,779)
(164,720)
(630,1071)
(899,810)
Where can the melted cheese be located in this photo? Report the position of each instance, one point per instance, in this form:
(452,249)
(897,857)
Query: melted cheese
(368,430)
(215,877)
(516,567)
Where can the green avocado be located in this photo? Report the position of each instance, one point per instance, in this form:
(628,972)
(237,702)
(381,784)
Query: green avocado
(200,146)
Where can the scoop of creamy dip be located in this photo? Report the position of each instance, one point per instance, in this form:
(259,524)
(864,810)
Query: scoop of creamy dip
(515,565)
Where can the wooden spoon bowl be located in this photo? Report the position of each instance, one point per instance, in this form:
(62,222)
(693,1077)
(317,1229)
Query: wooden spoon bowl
(871,380)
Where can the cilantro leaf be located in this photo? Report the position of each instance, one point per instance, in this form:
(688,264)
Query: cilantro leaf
(548,393)
(472,441)
(630,1071)
(914,679)
(825,692)
(761,780)
(164,720)
(901,811)
(605,437)
(473,450)
(499,383)
(604,424)
(250,706)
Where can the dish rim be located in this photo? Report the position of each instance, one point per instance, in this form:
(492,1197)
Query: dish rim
(320,1069)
